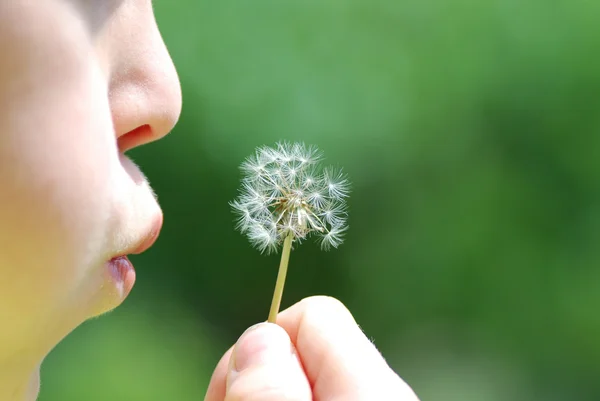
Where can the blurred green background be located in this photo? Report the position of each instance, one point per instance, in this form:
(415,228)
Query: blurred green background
(470,131)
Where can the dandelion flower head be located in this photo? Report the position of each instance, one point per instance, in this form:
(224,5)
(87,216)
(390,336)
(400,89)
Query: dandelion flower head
(285,191)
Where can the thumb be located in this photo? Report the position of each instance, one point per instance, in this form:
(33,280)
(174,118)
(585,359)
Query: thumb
(264,366)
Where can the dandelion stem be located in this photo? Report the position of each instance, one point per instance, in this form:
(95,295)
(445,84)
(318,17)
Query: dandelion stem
(283,265)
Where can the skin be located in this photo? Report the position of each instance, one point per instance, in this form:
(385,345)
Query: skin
(82,82)
(315,352)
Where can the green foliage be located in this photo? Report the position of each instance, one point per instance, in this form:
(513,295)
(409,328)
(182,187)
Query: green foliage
(470,133)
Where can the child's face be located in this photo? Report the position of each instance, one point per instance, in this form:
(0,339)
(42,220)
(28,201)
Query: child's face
(81,82)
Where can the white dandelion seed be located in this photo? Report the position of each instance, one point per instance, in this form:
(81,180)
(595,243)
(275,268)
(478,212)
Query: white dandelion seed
(336,182)
(333,238)
(334,214)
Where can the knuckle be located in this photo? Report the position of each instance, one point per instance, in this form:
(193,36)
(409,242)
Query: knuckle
(326,305)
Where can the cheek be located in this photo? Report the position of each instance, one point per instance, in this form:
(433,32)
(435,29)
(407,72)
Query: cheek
(68,200)
(57,159)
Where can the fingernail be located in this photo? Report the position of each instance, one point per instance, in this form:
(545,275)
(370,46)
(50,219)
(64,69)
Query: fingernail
(262,344)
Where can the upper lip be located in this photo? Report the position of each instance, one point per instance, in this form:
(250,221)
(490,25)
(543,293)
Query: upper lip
(150,237)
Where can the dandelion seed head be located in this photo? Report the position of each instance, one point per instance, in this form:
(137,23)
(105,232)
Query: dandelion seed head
(285,192)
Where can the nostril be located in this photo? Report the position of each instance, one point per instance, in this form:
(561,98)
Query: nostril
(137,137)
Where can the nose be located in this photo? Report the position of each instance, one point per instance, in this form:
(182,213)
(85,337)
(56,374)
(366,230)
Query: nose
(144,89)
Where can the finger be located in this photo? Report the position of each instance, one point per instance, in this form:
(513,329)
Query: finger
(264,366)
(339,360)
(216,387)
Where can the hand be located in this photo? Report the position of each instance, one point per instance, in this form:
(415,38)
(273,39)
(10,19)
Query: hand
(315,352)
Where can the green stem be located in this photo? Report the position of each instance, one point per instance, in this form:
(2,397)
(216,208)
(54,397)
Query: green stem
(283,265)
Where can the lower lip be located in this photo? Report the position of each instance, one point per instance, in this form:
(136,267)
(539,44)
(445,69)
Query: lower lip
(122,273)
